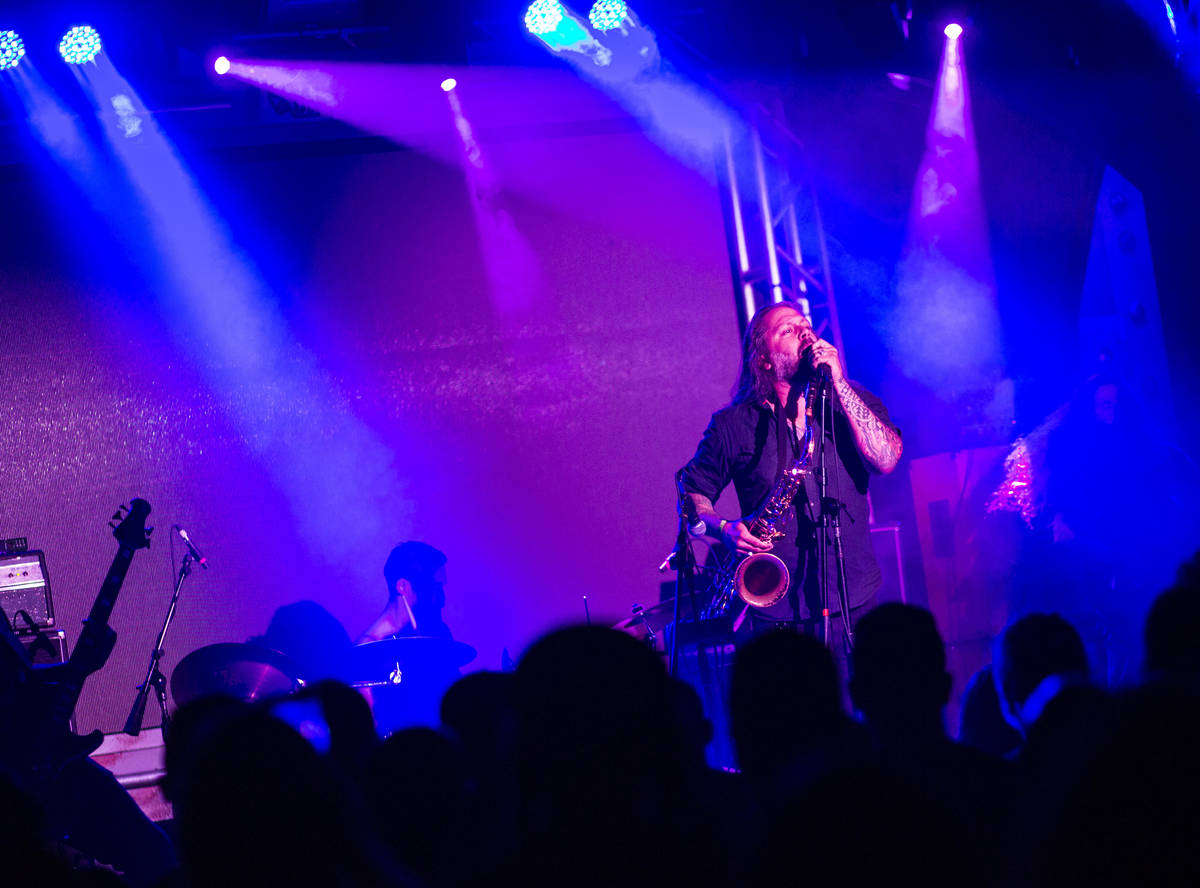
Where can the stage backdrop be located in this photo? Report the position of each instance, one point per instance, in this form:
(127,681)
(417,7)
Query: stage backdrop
(511,372)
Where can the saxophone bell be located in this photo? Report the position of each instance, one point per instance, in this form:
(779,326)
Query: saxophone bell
(761,580)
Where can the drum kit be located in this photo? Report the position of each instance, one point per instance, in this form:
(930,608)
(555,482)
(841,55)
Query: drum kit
(253,672)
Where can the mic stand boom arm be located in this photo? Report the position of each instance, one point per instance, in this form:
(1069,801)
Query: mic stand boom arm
(155,680)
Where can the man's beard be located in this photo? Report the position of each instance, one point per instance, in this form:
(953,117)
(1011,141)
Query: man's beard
(787,366)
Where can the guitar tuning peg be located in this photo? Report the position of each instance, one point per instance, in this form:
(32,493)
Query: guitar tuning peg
(112,525)
(149,530)
(116,515)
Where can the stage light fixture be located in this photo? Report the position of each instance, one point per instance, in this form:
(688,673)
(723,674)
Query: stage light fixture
(79,45)
(953,30)
(554,25)
(448,84)
(221,65)
(543,16)
(12,49)
(607,15)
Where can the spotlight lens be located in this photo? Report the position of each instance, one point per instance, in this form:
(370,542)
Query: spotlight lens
(12,49)
(221,65)
(606,15)
(953,31)
(449,83)
(543,16)
(79,45)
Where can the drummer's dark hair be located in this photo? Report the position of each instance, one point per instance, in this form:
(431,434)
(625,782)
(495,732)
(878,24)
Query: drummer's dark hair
(411,561)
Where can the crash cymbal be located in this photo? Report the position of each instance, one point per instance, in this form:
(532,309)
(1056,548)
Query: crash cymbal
(378,658)
(657,615)
(244,671)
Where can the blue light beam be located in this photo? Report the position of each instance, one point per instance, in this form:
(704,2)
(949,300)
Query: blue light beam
(289,413)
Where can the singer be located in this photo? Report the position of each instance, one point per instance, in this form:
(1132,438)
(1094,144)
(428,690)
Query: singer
(750,442)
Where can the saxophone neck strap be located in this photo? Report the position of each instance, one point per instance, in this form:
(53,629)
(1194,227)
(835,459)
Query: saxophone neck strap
(787,441)
(783,442)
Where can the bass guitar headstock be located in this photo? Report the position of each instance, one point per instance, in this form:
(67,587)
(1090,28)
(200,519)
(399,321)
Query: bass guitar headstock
(132,532)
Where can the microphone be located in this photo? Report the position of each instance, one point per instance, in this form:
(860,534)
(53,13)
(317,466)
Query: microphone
(822,370)
(695,524)
(187,541)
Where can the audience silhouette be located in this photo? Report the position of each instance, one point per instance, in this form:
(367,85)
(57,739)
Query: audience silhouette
(587,765)
(900,685)
(786,715)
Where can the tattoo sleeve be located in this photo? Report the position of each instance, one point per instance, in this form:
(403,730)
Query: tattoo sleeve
(878,442)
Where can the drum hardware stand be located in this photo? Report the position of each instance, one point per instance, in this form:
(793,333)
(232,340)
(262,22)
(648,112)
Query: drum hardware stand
(639,615)
(155,680)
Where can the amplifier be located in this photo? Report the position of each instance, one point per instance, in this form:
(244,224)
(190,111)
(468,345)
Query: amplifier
(46,648)
(885,540)
(25,586)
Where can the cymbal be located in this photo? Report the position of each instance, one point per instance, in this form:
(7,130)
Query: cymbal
(657,615)
(378,658)
(656,619)
(244,671)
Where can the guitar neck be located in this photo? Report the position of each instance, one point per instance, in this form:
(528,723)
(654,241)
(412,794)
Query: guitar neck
(103,607)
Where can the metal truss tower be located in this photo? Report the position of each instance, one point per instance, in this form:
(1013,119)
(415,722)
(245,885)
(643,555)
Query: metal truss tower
(777,248)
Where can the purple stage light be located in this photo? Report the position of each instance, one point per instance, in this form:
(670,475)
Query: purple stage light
(448,84)
(945,330)
(953,30)
(221,65)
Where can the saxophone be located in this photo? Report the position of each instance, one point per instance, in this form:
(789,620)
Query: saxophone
(762,579)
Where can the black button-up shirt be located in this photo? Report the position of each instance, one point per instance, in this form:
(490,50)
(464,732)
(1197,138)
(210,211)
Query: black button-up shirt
(740,446)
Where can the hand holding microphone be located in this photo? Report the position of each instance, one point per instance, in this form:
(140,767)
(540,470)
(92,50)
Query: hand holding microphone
(823,357)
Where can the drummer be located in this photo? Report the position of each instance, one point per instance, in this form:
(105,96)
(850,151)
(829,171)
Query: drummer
(416,579)
(415,573)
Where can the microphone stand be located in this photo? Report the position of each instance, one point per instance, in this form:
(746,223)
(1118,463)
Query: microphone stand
(823,503)
(154,678)
(685,572)
(831,520)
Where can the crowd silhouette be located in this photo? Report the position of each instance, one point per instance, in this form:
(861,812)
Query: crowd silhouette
(586,766)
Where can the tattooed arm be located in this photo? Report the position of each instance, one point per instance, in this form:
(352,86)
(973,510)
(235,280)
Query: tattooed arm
(734,533)
(878,442)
